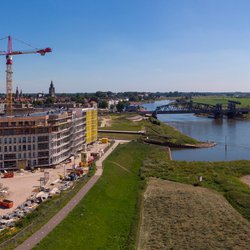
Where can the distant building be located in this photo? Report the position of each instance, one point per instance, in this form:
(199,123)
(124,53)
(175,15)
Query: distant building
(52,92)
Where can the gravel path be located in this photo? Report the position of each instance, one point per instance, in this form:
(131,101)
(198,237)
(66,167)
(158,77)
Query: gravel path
(54,221)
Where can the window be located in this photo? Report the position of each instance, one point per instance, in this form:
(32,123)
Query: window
(20,147)
(5,140)
(14,139)
(24,147)
(29,139)
(5,149)
(29,147)
(24,139)
(20,139)
(14,148)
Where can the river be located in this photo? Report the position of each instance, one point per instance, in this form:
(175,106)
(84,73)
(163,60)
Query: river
(231,136)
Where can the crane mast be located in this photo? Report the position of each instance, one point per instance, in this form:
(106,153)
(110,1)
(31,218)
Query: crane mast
(9,73)
(9,53)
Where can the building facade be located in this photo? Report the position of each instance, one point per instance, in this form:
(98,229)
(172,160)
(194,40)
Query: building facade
(45,139)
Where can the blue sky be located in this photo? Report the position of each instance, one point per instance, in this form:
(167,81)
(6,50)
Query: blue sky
(129,45)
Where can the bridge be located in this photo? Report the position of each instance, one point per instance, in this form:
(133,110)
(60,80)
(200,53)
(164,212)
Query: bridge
(215,111)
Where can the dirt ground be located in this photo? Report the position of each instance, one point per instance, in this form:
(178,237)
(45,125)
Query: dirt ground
(105,122)
(246,179)
(136,118)
(24,184)
(179,216)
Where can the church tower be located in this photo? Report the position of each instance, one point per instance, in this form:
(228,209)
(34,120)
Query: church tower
(52,92)
(17,96)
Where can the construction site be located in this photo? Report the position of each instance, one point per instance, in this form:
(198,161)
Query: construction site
(24,190)
(41,153)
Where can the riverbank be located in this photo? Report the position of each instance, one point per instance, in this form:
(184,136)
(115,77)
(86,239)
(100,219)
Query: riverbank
(155,131)
(179,146)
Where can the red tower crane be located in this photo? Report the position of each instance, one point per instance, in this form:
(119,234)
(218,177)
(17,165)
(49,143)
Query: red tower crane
(9,53)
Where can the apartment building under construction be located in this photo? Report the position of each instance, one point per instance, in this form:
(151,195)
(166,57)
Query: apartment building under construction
(46,138)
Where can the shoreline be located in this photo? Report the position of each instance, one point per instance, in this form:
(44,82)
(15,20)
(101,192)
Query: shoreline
(174,145)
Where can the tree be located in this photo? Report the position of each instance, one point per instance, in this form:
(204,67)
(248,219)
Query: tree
(103,104)
(121,105)
(50,100)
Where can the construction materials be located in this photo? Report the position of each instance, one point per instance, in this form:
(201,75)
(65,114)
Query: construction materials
(8,175)
(6,203)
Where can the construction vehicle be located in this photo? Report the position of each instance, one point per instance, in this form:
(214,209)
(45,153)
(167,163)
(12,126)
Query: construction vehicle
(6,203)
(9,53)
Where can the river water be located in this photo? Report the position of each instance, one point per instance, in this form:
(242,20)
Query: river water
(232,136)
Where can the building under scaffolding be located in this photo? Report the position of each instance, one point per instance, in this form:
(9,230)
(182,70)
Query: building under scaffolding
(46,138)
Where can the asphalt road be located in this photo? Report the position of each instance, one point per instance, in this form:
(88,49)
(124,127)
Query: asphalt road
(54,221)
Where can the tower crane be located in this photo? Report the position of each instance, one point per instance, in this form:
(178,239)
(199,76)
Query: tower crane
(9,53)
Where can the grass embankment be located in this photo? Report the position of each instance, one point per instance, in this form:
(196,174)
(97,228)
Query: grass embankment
(156,131)
(159,131)
(245,102)
(194,216)
(107,218)
(108,215)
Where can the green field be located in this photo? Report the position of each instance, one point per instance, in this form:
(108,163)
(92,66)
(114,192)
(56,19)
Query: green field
(220,176)
(107,217)
(122,122)
(181,216)
(155,130)
(245,102)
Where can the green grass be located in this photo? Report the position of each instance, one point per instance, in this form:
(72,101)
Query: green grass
(159,132)
(245,102)
(181,216)
(220,176)
(165,133)
(119,136)
(107,217)
(121,122)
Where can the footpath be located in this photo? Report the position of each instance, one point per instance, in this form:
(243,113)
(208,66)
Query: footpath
(54,221)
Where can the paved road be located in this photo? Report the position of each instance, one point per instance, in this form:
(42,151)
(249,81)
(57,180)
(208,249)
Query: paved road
(54,221)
